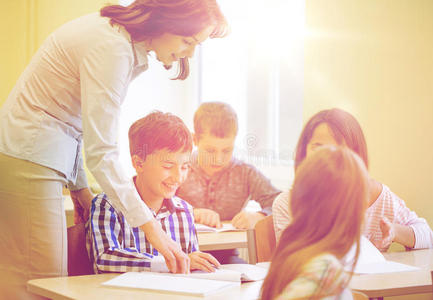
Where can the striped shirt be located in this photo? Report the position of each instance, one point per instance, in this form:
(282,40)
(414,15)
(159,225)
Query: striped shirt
(228,191)
(387,205)
(115,246)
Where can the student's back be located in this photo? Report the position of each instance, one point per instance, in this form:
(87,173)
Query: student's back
(328,202)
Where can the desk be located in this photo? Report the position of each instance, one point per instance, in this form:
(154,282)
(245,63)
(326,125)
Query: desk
(222,240)
(89,288)
(397,284)
(207,240)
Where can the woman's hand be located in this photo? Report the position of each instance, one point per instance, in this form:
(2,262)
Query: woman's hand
(207,217)
(203,261)
(177,261)
(82,200)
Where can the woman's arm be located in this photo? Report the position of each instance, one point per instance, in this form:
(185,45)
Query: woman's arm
(104,78)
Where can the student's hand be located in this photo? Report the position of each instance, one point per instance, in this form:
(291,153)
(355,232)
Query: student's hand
(82,200)
(203,261)
(207,217)
(388,233)
(247,220)
(177,261)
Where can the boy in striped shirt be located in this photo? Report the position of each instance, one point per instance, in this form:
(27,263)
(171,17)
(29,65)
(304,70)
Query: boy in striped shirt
(160,146)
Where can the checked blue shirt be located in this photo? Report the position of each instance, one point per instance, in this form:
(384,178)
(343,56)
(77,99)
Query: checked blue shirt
(114,246)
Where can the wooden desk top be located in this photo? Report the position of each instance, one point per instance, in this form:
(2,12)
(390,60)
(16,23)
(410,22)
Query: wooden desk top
(89,288)
(403,283)
(222,240)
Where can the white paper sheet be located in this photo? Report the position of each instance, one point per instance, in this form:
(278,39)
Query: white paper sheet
(372,261)
(225,227)
(168,283)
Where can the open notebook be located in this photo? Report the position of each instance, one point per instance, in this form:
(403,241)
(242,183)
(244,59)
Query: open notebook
(163,282)
(225,227)
(196,283)
(372,261)
(231,272)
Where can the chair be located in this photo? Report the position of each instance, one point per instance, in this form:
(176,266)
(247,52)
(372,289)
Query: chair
(78,260)
(261,241)
(359,296)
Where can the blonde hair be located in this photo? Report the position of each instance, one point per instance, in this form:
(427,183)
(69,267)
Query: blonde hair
(328,202)
(216,118)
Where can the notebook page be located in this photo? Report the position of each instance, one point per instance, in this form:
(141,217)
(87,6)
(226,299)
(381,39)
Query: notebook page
(171,284)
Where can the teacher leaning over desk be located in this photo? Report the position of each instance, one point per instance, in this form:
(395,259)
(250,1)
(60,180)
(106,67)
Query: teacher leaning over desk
(72,91)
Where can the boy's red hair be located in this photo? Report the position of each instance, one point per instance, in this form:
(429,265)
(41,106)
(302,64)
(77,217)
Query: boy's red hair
(158,131)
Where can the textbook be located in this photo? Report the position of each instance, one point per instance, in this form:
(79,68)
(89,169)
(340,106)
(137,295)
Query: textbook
(372,261)
(230,272)
(163,282)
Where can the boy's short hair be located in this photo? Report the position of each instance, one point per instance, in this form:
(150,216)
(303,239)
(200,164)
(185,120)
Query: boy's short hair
(217,118)
(158,131)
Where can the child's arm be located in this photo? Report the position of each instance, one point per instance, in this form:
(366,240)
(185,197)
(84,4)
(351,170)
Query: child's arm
(392,232)
(407,228)
(281,214)
(261,190)
(110,251)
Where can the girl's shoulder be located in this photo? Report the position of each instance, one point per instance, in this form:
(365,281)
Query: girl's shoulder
(322,276)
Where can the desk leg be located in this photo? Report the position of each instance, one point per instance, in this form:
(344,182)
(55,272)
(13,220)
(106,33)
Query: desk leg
(252,251)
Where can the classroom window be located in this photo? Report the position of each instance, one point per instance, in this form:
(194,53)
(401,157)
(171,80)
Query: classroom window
(258,69)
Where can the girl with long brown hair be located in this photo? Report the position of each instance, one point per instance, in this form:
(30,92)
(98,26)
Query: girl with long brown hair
(387,218)
(328,202)
(72,91)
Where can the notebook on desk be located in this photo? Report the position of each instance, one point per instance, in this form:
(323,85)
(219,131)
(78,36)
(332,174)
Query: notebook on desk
(372,261)
(225,227)
(230,272)
(163,282)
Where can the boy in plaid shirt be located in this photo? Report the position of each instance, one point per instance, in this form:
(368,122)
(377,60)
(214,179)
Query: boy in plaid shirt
(160,147)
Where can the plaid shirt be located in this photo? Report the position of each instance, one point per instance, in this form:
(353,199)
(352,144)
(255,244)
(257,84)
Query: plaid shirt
(115,246)
(228,191)
(323,276)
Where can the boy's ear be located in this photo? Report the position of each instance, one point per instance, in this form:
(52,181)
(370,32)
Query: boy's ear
(195,139)
(137,162)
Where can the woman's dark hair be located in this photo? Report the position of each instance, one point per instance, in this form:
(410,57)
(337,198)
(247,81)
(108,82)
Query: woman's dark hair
(151,18)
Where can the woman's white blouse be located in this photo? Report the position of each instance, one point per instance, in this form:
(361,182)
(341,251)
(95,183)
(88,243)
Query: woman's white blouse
(72,91)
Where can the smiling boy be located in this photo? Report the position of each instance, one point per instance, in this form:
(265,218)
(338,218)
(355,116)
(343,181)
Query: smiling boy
(160,147)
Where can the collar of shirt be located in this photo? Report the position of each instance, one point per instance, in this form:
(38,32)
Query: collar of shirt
(138,48)
(196,168)
(168,207)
